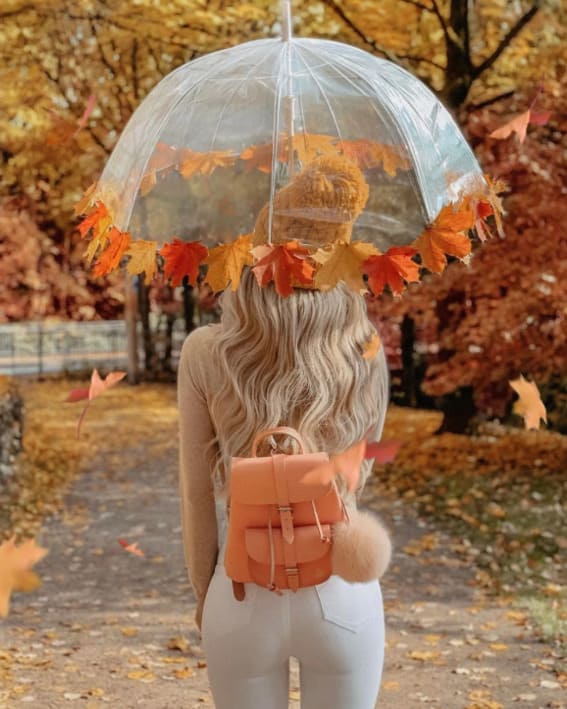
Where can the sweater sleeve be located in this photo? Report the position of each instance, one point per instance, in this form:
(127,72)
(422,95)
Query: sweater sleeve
(196,458)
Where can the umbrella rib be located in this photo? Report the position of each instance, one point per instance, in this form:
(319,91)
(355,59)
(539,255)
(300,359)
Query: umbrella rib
(275,138)
(339,60)
(229,99)
(322,94)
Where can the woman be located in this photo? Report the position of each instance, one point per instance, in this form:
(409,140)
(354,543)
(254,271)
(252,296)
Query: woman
(273,361)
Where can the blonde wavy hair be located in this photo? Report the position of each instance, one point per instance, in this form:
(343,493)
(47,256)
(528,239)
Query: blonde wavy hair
(295,361)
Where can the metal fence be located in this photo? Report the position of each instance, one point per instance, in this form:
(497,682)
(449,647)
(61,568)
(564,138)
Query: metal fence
(51,347)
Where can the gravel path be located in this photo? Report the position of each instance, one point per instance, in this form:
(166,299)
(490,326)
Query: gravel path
(110,628)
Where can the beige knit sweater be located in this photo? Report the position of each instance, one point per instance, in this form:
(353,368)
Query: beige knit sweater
(197,381)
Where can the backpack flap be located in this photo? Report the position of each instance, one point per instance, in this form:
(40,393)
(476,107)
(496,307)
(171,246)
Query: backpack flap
(252,480)
(308,544)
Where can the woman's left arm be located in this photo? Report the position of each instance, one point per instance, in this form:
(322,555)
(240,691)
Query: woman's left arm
(196,459)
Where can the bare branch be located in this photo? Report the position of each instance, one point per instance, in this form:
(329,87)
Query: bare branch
(367,40)
(418,4)
(516,29)
(490,101)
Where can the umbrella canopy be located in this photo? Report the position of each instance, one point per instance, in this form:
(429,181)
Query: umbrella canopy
(305,142)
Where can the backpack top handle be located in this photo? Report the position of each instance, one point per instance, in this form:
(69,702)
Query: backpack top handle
(285,430)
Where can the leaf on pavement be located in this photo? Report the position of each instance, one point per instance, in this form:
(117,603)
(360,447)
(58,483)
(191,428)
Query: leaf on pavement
(132,548)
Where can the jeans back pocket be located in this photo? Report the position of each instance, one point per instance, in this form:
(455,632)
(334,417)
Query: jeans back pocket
(350,605)
(222,613)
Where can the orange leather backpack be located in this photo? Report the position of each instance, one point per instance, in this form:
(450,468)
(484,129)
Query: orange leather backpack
(280,527)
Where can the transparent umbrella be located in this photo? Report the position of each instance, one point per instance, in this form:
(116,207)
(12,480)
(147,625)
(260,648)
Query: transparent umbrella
(265,139)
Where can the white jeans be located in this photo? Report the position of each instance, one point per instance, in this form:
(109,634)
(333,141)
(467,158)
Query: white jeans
(335,630)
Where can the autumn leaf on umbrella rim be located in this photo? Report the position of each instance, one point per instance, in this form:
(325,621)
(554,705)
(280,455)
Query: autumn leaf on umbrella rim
(283,264)
(445,236)
(225,263)
(342,262)
(392,268)
(109,259)
(182,259)
(142,258)
(99,220)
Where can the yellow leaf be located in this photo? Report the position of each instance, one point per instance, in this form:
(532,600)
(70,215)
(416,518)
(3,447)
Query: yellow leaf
(182,673)
(15,569)
(129,632)
(342,262)
(423,655)
(178,643)
(371,348)
(142,258)
(498,647)
(227,261)
(391,685)
(143,675)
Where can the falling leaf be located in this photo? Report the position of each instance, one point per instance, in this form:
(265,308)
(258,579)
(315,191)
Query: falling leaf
(342,262)
(529,405)
(383,451)
(109,259)
(183,259)
(192,162)
(86,114)
(15,569)
(283,264)
(346,464)
(142,258)
(132,548)
(519,125)
(227,261)
(392,269)
(97,387)
(445,236)
(371,348)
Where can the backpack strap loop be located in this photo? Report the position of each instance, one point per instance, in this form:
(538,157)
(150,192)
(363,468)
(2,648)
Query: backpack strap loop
(284,430)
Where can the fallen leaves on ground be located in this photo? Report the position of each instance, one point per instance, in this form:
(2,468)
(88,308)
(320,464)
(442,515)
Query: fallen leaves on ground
(502,494)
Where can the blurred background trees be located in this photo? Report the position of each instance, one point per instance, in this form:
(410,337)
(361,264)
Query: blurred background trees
(453,342)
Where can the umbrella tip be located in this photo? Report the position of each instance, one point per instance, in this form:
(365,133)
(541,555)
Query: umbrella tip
(286,20)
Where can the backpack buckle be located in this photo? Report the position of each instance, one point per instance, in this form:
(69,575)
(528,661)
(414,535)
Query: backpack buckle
(292,570)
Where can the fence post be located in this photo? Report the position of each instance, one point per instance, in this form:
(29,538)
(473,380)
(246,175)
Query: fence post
(131,318)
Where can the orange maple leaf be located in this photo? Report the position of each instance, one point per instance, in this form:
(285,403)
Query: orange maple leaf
(15,569)
(98,220)
(142,258)
(227,261)
(392,268)
(132,548)
(97,387)
(282,263)
(192,162)
(84,204)
(445,236)
(529,404)
(183,259)
(109,259)
(368,154)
